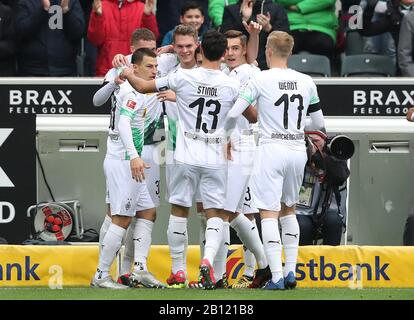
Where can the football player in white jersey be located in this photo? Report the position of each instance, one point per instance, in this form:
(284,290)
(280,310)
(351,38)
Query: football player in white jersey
(284,98)
(140,38)
(239,194)
(124,171)
(204,97)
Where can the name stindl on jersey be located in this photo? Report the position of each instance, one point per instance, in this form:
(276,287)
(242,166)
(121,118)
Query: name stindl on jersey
(43,102)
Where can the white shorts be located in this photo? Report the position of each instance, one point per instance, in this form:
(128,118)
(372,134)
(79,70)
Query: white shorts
(278,177)
(247,206)
(185,179)
(125,195)
(151,156)
(238,176)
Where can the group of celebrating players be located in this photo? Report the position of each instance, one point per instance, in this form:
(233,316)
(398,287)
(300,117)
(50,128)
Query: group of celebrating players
(205,100)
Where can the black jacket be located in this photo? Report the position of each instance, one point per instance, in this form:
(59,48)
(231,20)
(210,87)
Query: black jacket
(279,21)
(388,22)
(44,51)
(7,42)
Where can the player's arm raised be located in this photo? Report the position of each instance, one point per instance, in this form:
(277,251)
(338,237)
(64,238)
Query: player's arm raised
(141,85)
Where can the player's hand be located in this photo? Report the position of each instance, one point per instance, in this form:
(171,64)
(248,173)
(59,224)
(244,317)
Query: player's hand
(165,49)
(119,81)
(65,5)
(97,7)
(119,61)
(149,7)
(46,5)
(264,20)
(167,95)
(125,73)
(246,9)
(410,114)
(228,151)
(294,8)
(253,28)
(137,169)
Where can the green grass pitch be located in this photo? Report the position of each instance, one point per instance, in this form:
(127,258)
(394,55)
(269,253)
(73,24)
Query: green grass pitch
(194,294)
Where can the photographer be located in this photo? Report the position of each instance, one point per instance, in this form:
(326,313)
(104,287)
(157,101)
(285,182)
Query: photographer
(322,203)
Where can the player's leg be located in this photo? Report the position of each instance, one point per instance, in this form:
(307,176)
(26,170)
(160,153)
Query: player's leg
(145,218)
(267,185)
(104,227)
(213,191)
(184,181)
(220,262)
(288,221)
(249,257)
(122,189)
(150,155)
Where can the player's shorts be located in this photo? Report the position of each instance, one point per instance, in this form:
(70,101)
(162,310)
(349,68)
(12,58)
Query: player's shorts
(185,179)
(126,196)
(169,169)
(238,176)
(151,156)
(278,177)
(247,206)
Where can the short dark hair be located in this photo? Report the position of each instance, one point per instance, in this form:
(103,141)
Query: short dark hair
(142,34)
(214,45)
(191,5)
(139,55)
(233,34)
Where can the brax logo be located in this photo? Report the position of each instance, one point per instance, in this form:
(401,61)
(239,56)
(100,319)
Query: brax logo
(4,179)
(33,97)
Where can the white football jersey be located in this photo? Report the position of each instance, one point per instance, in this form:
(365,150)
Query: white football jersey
(132,104)
(204,98)
(239,140)
(283,97)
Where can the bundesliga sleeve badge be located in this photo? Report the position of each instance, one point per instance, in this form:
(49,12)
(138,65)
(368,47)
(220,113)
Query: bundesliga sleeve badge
(131,104)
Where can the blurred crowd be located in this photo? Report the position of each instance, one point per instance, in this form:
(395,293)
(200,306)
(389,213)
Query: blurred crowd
(81,37)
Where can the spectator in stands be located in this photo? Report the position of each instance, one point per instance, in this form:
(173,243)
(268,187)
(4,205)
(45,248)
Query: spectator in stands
(383,43)
(192,14)
(389,22)
(111,25)
(88,52)
(313,25)
(216,10)
(271,16)
(7,41)
(406,46)
(45,51)
(169,12)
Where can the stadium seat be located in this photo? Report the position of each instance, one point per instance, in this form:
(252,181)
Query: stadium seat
(311,64)
(367,65)
(354,43)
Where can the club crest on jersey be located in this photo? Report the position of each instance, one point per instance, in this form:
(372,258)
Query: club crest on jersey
(131,104)
(128,205)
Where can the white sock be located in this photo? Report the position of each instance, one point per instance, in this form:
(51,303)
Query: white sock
(290,241)
(214,236)
(177,238)
(128,257)
(202,234)
(220,261)
(142,243)
(249,235)
(249,258)
(110,248)
(272,247)
(104,229)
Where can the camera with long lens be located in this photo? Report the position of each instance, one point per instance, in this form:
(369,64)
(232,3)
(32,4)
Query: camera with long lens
(340,146)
